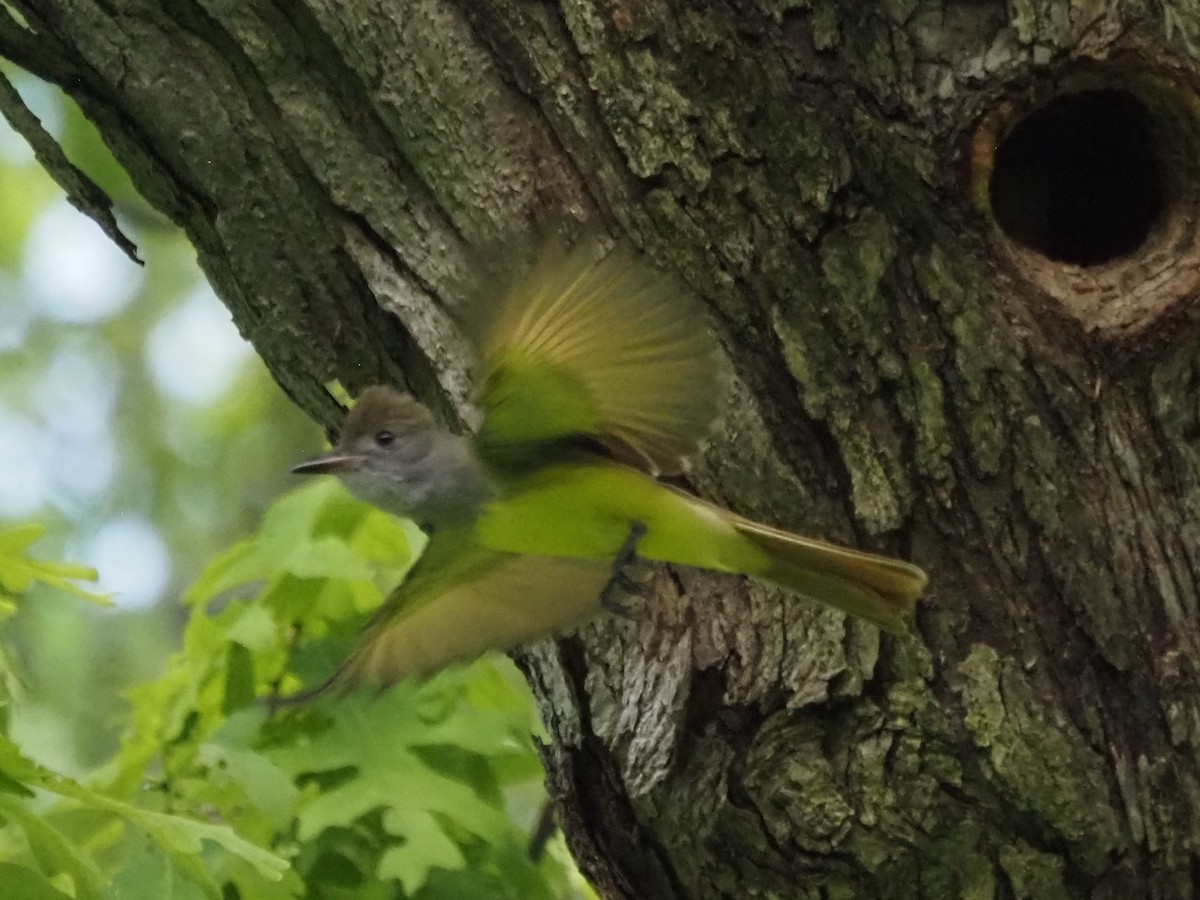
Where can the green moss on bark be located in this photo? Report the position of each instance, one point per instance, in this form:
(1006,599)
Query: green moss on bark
(1037,760)
(1033,875)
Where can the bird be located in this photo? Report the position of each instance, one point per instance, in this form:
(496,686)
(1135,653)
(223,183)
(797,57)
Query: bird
(599,379)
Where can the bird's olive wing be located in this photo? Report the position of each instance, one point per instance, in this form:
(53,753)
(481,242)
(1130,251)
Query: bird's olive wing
(606,348)
(464,601)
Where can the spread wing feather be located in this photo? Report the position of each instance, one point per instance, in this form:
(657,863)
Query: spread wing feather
(609,348)
(462,600)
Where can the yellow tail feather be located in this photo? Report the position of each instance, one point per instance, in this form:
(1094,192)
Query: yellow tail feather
(876,588)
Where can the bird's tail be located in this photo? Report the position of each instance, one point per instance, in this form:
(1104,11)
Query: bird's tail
(876,588)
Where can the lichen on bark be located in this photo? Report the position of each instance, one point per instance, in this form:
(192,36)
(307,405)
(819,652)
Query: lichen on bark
(1040,767)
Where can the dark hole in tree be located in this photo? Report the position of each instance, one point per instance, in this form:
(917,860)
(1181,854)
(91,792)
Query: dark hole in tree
(1078,180)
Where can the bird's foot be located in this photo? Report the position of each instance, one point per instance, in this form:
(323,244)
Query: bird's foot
(627,587)
(543,831)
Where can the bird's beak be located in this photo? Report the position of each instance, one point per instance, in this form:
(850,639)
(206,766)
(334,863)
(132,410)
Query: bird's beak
(329,464)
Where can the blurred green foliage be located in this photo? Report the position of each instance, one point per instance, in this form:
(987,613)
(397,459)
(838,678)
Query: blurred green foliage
(427,791)
(139,754)
(94,443)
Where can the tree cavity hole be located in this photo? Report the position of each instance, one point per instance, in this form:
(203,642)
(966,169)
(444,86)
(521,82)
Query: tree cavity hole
(1078,180)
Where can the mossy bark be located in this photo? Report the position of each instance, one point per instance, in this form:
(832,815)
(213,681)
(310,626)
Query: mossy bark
(807,167)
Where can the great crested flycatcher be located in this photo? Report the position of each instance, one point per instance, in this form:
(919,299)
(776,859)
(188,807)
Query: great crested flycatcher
(598,376)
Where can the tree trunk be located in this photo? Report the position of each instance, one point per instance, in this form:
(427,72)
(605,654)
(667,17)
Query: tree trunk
(962,331)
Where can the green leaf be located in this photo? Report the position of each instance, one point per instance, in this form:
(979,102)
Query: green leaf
(426,847)
(316,532)
(151,872)
(183,838)
(186,837)
(19,572)
(366,795)
(20,537)
(379,739)
(26,884)
(54,853)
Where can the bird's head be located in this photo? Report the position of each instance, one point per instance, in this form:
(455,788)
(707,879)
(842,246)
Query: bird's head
(385,440)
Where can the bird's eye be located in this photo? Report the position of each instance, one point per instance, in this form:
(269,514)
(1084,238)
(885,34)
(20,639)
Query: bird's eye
(383,438)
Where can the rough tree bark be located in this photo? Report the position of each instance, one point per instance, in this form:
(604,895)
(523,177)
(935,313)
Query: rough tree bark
(910,376)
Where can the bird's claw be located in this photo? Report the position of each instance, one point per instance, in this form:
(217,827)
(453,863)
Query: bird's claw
(627,585)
